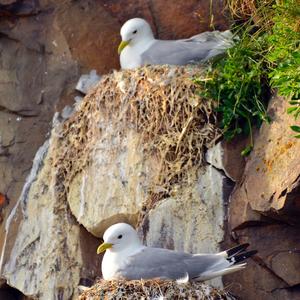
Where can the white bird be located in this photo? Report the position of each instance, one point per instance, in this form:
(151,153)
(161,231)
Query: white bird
(139,47)
(126,258)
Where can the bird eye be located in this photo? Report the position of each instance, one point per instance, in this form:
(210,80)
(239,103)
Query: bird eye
(120,236)
(134,32)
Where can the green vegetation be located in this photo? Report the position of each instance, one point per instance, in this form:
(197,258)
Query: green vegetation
(284,55)
(266,56)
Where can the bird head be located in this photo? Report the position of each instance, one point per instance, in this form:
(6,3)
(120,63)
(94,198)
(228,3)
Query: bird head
(119,237)
(134,31)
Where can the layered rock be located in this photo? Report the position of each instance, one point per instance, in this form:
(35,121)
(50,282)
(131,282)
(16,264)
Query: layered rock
(194,218)
(44,47)
(132,151)
(264,210)
(46,258)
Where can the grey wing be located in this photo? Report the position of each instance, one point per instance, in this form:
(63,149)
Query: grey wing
(168,264)
(181,52)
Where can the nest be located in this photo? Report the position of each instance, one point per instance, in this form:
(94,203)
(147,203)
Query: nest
(162,104)
(152,289)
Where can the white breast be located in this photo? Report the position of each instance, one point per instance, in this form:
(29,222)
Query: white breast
(111,263)
(130,56)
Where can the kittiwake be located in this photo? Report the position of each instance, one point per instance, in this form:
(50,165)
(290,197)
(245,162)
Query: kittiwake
(126,258)
(139,47)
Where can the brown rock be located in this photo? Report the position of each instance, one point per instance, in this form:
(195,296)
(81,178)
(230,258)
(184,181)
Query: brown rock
(127,9)
(18,8)
(92,35)
(233,161)
(271,182)
(240,212)
(7,2)
(274,271)
(8,293)
(254,282)
(186,18)
(44,47)
(269,190)
(170,19)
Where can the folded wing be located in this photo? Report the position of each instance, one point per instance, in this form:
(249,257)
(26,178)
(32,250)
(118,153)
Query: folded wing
(168,264)
(198,48)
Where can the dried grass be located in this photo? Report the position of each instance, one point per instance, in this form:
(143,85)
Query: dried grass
(152,289)
(161,104)
(251,10)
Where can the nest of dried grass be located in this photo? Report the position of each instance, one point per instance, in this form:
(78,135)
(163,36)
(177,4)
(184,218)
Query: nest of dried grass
(162,104)
(152,289)
(251,9)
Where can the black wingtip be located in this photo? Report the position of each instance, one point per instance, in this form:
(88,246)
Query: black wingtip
(241,257)
(237,249)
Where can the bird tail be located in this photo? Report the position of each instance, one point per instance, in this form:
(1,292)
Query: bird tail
(233,261)
(212,274)
(238,253)
(234,250)
(224,41)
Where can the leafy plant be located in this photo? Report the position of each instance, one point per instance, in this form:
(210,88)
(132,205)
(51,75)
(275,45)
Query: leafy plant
(266,56)
(284,55)
(238,82)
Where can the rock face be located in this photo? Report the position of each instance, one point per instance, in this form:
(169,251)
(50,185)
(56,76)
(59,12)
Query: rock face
(44,48)
(47,254)
(107,164)
(272,181)
(264,211)
(121,175)
(81,183)
(194,222)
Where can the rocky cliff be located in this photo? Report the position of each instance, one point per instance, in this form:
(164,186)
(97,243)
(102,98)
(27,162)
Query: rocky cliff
(264,210)
(45,47)
(132,151)
(139,148)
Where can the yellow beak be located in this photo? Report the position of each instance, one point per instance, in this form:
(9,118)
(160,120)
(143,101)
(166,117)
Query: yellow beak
(103,247)
(122,45)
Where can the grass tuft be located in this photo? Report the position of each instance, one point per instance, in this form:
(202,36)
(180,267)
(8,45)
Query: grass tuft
(266,56)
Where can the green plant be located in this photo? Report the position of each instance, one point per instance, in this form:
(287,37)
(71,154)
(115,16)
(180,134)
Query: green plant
(238,83)
(266,56)
(284,55)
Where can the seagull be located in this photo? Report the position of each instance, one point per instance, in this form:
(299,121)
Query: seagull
(126,258)
(139,47)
